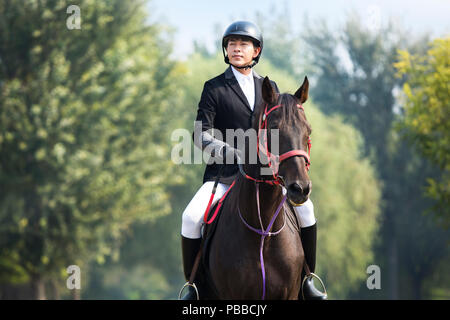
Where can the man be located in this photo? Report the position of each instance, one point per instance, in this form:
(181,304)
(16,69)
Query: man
(227,102)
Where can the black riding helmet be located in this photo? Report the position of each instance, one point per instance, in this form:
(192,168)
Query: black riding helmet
(244,29)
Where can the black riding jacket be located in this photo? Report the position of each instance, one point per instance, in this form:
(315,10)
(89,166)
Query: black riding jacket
(222,106)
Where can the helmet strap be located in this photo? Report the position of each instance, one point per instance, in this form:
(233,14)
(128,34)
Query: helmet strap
(245,67)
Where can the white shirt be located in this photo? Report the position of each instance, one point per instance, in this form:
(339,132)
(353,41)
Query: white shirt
(247,85)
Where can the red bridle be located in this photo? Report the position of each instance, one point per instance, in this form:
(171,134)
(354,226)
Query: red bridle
(274,161)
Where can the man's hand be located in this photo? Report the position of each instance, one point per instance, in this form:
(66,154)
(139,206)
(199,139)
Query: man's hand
(228,152)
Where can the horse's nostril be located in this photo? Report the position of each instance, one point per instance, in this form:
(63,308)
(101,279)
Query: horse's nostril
(307,189)
(296,188)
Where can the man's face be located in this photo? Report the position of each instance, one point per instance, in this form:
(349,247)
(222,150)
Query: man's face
(241,52)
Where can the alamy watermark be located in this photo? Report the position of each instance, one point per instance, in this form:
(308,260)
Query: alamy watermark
(74,20)
(183,152)
(373,18)
(374,280)
(74,279)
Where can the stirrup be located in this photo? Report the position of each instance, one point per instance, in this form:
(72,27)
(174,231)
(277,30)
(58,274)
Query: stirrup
(187,284)
(312,276)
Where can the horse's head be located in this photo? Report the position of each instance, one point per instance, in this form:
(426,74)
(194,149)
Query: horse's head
(290,160)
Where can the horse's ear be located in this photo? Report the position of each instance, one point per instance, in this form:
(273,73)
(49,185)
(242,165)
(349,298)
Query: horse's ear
(268,92)
(302,92)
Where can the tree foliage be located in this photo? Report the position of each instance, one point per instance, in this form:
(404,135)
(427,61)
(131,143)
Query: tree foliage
(82,132)
(426,120)
(356,78)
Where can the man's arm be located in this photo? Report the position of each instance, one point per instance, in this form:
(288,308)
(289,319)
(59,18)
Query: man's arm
(206,114)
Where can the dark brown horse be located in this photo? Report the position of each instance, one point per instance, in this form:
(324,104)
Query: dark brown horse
(233,267)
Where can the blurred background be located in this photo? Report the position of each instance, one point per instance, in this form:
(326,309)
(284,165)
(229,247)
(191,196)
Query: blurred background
(89,100)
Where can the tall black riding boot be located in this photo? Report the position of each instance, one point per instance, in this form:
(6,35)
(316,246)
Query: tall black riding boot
(189,248)
(308,236)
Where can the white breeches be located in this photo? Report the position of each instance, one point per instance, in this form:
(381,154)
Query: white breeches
(192,220)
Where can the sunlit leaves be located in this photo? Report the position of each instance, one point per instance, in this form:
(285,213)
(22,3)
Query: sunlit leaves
(426,120)
(81,131)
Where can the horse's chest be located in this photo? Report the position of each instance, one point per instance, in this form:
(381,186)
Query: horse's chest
(242,270)
(237,265)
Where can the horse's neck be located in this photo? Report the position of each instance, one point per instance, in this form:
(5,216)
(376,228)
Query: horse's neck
(269,199)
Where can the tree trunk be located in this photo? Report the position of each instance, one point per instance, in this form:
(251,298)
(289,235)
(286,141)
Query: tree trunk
(55,290)
(76,294)
(393,269)
(38,285)
(417,287)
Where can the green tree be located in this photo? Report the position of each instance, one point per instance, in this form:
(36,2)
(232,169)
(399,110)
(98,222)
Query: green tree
(426,120)
(83,133)
(356,79)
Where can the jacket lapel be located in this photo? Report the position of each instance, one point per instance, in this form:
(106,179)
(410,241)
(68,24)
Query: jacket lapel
(234,84)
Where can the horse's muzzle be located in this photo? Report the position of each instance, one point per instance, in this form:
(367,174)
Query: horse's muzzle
(298,193)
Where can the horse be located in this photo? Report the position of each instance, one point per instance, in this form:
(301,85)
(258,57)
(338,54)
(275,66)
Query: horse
(260,255)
